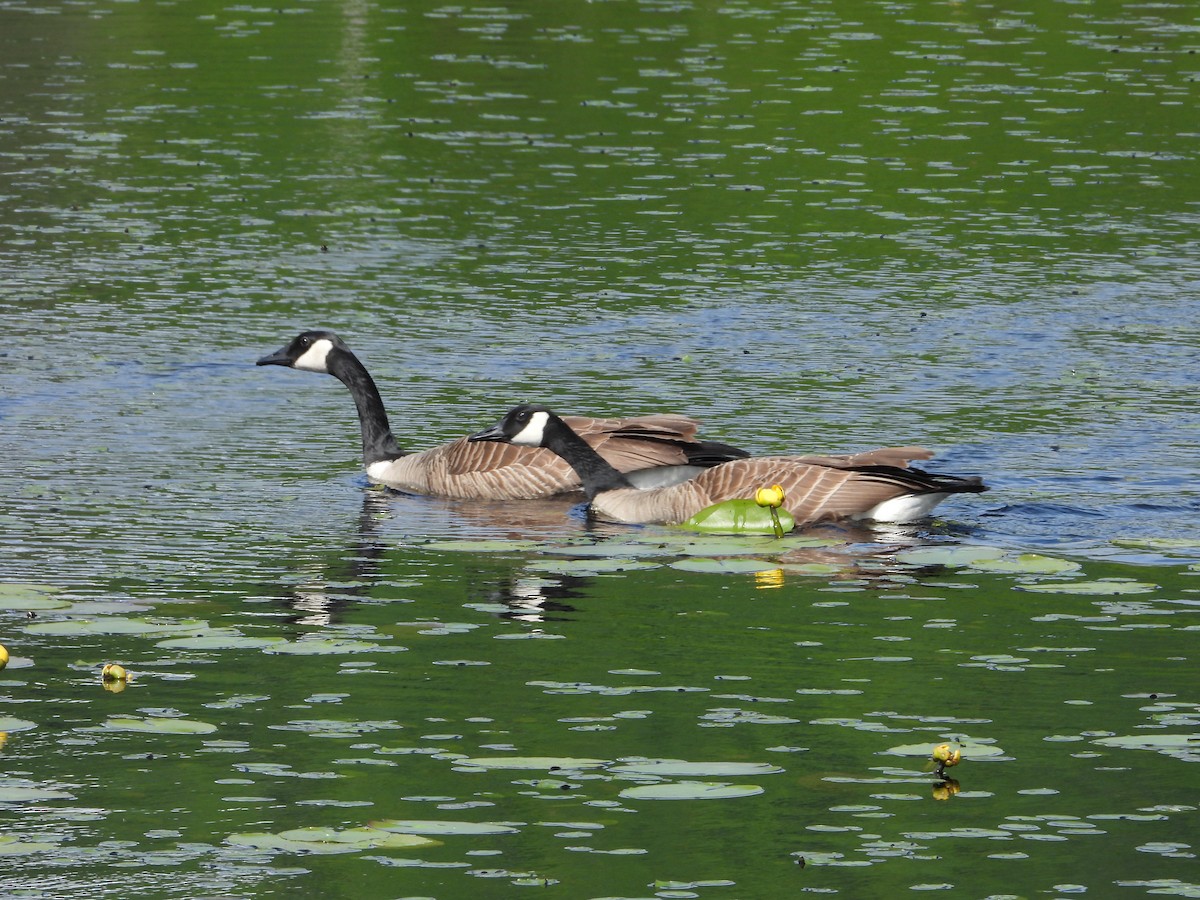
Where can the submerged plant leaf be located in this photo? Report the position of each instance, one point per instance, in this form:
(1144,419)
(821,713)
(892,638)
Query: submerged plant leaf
(690,790)
(738,517)
(437,826)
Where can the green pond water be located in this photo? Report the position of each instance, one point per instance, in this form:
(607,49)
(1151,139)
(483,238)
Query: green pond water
(817,227)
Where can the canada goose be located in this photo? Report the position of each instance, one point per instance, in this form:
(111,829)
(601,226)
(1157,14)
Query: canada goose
(653,450)
(874,485)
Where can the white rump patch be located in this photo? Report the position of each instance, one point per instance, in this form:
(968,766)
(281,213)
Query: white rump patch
(908,508)
(533,433)
(314,358)
(380,470)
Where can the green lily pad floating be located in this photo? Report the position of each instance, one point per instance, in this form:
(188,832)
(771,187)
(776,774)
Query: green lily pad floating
(724,566)
(677,768)
(29,792)
(154,725)
(437,826)
(9,724)
(1164,545)
(951,557)
(20,596)
(969,751)
(110,625)
(220,640)
(738,517)
(12,846)
(1026,564)
(492,546)
(547,763)
(1178,745)
(690,790)
(591,566)
(328,840)
(1102,587)
(327,646)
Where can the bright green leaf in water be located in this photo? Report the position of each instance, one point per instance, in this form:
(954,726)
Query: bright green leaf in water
(738,517)
(690,790)
(155,725)
(437,826)
(1100,588)
(328,840)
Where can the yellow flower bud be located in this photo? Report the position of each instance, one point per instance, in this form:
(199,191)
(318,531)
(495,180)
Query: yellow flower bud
(3,656)
(114,672)
(772,496)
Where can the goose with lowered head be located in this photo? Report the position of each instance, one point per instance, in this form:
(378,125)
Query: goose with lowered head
(875,485)
(650,450)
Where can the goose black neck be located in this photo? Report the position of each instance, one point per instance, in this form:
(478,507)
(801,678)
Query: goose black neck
(592,468)
(378,442)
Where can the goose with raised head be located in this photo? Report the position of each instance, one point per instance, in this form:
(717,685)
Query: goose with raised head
(651,450)
(875,485)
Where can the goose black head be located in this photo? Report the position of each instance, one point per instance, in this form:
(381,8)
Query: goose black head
(524,425)
(309,351)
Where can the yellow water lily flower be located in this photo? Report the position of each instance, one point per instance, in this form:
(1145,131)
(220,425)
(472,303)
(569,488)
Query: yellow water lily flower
(114,672)
(3,656)
(771,497)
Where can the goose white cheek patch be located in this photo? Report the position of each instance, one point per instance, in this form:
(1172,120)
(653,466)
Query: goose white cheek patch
(531,435)
(313,359)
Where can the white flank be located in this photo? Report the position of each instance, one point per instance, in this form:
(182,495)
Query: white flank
(380,470)
(908,508)
(313,359)
(533,433)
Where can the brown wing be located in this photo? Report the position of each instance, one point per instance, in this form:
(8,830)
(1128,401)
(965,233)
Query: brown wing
(813,492)
(899,457)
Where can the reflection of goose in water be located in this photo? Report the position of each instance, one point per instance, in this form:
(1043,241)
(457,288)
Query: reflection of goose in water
(877,484)
(652,450)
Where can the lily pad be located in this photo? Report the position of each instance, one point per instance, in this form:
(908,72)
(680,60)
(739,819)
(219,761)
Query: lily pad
(1026,564)
(969,751)
(30,793)
(328,840)
(326,646)
(20,596)
(109,625)
(724,566)
(952,556)
(738,517)
(437,826)
(13,846)
(548,763)
(677,768)
(593,566)
(1100,588)
(486,546)
(1177,745)
(155,725)
(690,790)
(8,723)
(220,640)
